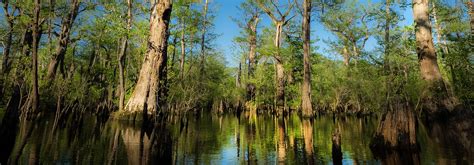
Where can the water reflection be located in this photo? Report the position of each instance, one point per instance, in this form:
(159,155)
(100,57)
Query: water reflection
(208,139)
(308,140)
(396,157)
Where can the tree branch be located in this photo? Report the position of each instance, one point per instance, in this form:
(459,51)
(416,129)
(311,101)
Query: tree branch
(289,8)
(266,10)
(276,7)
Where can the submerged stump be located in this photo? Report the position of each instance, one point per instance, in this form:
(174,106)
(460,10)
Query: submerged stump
(396,130)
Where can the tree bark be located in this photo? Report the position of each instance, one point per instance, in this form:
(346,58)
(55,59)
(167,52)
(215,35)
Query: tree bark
(424,42)
(396,130)
(435,97)
(145,95)
(27,41)
(280,93)
(470,6)
(238,82)
(252,39)
(386,63)
(122,55)
(203,38)
(387,33)
(173,58)
(280,72)
(183,49)
(36,34)
(63,41)
(51,16)
(163,82)
(306,89)
(346,56)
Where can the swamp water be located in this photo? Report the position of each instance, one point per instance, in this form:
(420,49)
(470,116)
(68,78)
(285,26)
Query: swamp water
(212,139)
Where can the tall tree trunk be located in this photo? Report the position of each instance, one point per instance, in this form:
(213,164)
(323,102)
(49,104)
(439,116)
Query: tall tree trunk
(58,57)
(306,89)
(145,95)
(397,127)
(435,97)
(387,33)
(424,42)
(163,84)
(252,39)
(203,38)
(191,48)
(51,16)
(173,58)
(470,6)
(7,48)
(121,58)
(280,72)
(346,56)
(396,130)
(27,41)
(280,75)
(386,62)
(36,37)
(238,81)
(183,49)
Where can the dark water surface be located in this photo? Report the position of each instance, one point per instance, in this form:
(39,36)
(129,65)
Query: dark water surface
(211,139)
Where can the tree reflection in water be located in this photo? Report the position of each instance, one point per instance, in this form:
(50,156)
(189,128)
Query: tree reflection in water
(210,139)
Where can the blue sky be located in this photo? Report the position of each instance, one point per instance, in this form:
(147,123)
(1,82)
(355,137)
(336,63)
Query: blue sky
(227,29)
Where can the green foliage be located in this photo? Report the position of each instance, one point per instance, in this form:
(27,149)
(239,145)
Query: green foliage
(350,23)
(90,74)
